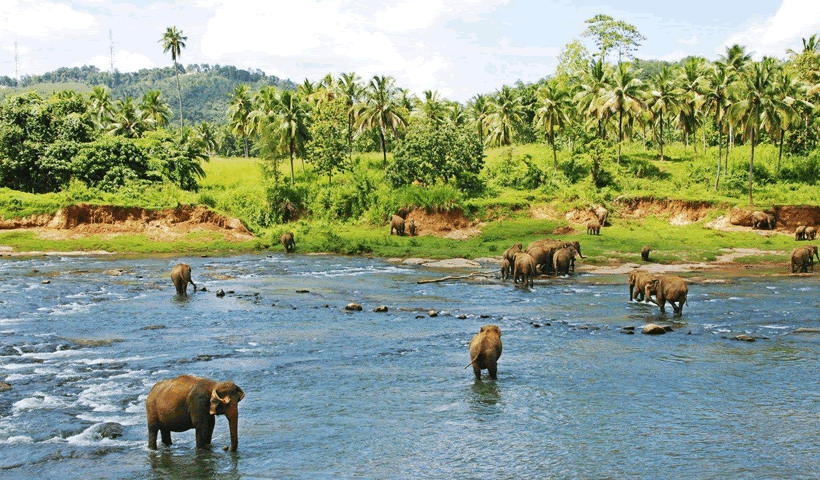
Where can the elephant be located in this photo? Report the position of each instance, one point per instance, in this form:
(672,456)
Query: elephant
(287,240)
(506,269)
(524,268)
(601,213)
(576,245)
(800,233)
(411,227)
(637,283)
(187,402)
(564,260)
(667,288)
(485,350)
(645,253)
(763,220)
(542,256)
(801,258)
(397,225)
(811,232)
(509,254)
(593,228)
(181,276)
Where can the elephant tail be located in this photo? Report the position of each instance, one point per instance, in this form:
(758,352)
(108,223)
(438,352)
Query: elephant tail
(471,362)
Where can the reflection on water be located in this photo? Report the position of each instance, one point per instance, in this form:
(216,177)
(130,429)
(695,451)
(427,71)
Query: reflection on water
(336,394)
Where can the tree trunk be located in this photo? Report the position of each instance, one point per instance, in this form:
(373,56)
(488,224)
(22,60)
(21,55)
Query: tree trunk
(731,139)
(780,153)
(384,149)
(660,138)
(703,132)
(620,133)
(179,94)
(720,159)
(349,136)
(751,170)
(291,164)
(554,153)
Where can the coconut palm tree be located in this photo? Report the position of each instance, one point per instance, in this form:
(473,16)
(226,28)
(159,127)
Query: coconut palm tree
(508,114)
(126,120)
(786,106)
(101,106)
(754,107)
(479,110)
(692,86)
(381,110)
(154,108)
(173,41)
(717,100)
(456,114)
(239,112)
(623,94)
(351,90)
(206,134)
(554,107)
(292,115)
(664,98)
(433,107)
(590,91)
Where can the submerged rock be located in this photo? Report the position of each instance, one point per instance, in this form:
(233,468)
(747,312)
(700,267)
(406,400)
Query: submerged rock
(153,327)
(461,317)
(46,282)
(4,386)
(108,430)
(220,293)
(807,330)
(432,313)
(653,329)
(383,308)
(745,338)
(353,307)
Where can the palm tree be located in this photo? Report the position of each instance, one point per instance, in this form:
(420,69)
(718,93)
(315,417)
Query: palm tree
(693,99)
(206,134)
(736,59)
(173,40)
(623,94)
(754,107)
(591,89)
(555,105)
(101,106)
(239,112)
(664,98)
(155,110)
(381,110)
(479,110)
(293,117)
(786,103)
(351,90)
(433,107)
(456,115)
(508,115)
(717,99)
(126,120)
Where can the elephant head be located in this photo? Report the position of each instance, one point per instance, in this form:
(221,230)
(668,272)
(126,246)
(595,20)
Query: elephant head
(224,399)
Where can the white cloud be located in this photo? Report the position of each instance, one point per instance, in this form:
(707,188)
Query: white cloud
(124,61)
(689,41)
(773,35)
(40,18)
(411,15)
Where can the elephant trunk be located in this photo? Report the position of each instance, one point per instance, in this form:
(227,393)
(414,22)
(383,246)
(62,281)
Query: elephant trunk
(232,414)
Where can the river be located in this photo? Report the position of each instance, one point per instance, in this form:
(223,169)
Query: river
(333,394)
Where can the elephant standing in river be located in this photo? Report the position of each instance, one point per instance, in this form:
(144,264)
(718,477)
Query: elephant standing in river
(397,225)
(564,260)
(181,276)
(524,268)
(188,402)
(667,288)
(485,350)
(637,284)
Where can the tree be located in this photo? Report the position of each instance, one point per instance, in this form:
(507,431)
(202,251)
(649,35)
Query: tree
(717,100)
(623,94)
(327,146)
(508,115)
(591,90)
(292,120)
(572,61)
(154,109)
(101,106)
(554,109)
(239,113)
(611,34)
(433,107)
(351,90)
(381,110)
(127,120)
(692,100)
(753,107)
(664,99)
(173,41)
(207,135)
(479,109)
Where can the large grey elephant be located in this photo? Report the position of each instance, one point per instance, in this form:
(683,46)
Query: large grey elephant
(601,213)
(485,350)
(763,221)
(397,225)
(181,276)
(524,268)
(564,260)
(667,288)
(188,402)
(593,227)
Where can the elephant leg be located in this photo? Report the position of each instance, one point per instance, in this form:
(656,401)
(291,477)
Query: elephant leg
(662,303)
(477,372)
(166,437)
(493,371)
(209,431)
(202,434)
(152,437)
(192,283)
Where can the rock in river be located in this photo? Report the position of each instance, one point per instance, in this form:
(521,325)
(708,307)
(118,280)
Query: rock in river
(353,307)
(653,329)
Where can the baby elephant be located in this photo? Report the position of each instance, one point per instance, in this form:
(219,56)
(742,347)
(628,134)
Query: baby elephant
(411,227)
(287,241)
(667,288)
(593,228)
(506,269)
(181,276)
(485,349)
(188,402)
(645,253)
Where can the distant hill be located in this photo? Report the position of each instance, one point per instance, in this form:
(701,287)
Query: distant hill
(205,88)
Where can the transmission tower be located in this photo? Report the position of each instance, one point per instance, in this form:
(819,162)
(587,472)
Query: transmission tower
(111,49)
(16,65)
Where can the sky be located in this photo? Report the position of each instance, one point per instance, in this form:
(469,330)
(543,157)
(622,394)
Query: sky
(459,48)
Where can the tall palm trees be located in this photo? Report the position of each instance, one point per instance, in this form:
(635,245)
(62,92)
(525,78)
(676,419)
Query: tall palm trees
(381,111)
(479,109)
(508,115)
(351,90)
(173,41)
(664,99)
(623,94)
(239,112)
(717,100)
(554,109)
(292,113)
(154,109)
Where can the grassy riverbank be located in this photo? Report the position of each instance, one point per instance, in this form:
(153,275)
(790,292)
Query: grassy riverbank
(349,216)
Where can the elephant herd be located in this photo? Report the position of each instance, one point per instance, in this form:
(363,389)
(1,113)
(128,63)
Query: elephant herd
(397,225)
(541,256)
(802,258)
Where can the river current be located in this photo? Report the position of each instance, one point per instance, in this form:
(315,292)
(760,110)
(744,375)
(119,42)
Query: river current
(333,394)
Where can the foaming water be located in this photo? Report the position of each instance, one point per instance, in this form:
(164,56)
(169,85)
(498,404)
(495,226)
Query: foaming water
(337,394)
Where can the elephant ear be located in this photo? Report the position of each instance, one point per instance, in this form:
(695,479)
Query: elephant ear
(215,402)
(482,329)
(241,394)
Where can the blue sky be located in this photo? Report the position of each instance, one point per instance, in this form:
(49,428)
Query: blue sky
(457,47)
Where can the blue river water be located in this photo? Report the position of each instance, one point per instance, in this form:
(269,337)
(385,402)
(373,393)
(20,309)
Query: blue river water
(333,394)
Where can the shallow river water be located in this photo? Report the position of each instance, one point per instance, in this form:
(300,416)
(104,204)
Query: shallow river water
(333,394)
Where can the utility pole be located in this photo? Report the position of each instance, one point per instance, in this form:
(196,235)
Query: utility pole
(16,65)
(111,50)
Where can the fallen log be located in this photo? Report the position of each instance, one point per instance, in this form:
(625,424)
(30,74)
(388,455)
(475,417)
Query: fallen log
(454,277)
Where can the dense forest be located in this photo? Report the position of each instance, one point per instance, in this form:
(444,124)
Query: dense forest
(608,122)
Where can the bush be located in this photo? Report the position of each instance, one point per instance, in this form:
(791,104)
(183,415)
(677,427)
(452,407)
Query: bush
(110,163)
